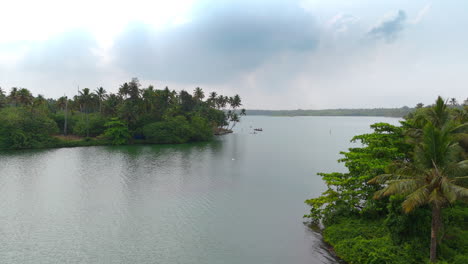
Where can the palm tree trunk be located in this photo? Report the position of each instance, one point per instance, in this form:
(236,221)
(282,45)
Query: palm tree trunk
(66,120)
(87,124)
(434,232)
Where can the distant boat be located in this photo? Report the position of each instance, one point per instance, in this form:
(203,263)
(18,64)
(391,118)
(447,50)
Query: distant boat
(258,129)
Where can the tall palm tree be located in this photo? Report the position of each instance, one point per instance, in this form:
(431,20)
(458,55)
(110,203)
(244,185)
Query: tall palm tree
(453,101)
(221,101)
(39,102)
(24,96)
(2,97)
(101,94)
(14,96)
(85,99)
(198,94)
(61,102)
(111,104)
(212,99)
(124,90)
(149,95)
(431,179)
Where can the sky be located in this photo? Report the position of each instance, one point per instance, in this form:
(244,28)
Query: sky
(290,54)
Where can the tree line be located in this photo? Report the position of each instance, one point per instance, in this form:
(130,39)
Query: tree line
(403,199)
(388,112)
(132,115)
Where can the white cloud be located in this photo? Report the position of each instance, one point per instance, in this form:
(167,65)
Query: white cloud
(273,53)
(421,14)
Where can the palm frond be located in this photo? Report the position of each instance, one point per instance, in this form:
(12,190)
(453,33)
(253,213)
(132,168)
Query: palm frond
(437,198)
(459,129)
(463,165)
(459,191)
(381,179)
(445,185)
(416,199)
(403,186)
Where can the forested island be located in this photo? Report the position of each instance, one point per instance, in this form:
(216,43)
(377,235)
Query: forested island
(403,199)
(134,115)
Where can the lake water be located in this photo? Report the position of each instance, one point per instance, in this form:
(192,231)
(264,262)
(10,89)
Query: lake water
(236,200)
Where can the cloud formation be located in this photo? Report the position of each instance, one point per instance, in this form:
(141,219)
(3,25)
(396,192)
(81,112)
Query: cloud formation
(421,14)
(223,40)
(274,53)
(70,53)
(390,28)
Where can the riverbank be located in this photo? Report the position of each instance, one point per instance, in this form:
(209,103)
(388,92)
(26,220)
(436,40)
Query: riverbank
(61,141)
(381,210)
(360,239)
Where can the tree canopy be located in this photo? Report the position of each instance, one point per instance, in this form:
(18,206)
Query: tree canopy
(405,180)
(132,114)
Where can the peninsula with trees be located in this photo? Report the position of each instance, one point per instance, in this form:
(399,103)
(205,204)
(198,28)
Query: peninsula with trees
(134,115)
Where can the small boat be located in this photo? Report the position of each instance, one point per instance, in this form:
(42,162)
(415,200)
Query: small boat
(258,129)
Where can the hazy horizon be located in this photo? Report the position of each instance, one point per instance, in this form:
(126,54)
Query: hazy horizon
(277,55)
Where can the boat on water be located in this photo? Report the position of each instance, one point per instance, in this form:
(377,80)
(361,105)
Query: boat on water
(258,129)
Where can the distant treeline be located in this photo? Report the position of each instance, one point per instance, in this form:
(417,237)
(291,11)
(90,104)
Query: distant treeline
(389,112)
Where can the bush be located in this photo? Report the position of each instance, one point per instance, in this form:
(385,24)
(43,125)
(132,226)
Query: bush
(20,128)
(201,129)
(357,240)
(117,132)
(405,227)
(95,124)
(174,130)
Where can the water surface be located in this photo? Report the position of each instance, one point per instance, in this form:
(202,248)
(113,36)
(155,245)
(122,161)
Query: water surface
(238,199)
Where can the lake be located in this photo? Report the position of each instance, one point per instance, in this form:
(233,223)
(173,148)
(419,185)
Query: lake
(238,199)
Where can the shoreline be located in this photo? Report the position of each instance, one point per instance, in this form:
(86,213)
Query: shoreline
(94,142)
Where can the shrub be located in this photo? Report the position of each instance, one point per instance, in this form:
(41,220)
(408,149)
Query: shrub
(95,124)
(357,240)
(201,128)
(173,130)
(117,132)
(20,128)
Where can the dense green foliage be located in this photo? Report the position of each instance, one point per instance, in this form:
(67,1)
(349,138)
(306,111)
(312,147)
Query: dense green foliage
(402,182)
(117,132)
(21,128)
(134,114)
(174,130)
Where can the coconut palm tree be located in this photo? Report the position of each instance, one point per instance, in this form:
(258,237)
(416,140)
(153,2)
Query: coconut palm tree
(85,99)
(124,90)
(2,97)
(24,96)
(111,104)
(453,101)
(39,103)
(198,94)
(13,97)
(101,94)
(434,176)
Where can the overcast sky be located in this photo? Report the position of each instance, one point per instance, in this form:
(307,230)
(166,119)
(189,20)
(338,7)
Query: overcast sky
(275,54)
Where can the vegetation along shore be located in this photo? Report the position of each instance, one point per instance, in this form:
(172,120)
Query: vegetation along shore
(403,199)
(134,115)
